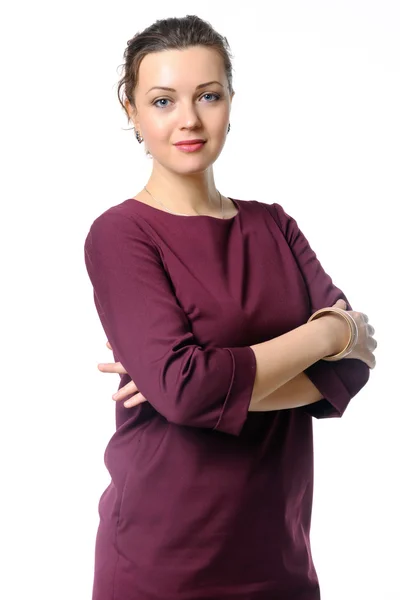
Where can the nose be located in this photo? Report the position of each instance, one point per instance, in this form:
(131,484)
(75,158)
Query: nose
(188,116)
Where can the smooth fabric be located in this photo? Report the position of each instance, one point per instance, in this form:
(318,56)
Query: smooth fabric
(208,501)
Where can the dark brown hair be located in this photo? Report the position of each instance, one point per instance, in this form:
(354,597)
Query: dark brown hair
(169,34)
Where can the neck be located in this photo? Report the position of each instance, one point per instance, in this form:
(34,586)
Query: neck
(195,193)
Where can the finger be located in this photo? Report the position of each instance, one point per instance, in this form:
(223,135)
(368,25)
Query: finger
(108,345)
(342,302)
(371,360)
(126,390)
(372,343)
(135,400)
(111,367)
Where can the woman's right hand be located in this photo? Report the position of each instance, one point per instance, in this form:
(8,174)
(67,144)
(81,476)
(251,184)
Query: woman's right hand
(366,344)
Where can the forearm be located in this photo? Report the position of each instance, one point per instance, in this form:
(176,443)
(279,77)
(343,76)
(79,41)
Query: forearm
(296,392)
(283,358)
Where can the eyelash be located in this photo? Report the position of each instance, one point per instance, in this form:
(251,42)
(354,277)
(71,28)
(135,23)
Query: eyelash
(217,96)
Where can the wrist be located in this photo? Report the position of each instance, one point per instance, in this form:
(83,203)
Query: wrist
(337,332)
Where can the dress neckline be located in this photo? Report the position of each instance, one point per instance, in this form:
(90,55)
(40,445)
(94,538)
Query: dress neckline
(140,204)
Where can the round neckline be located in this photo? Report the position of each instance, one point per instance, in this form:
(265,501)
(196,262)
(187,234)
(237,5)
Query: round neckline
(165,212)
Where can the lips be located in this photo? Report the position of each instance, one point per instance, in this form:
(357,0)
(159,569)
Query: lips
(189,142)
(192,147)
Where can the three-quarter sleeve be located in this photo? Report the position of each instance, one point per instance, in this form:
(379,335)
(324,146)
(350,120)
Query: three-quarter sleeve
(151,336)
(339,381)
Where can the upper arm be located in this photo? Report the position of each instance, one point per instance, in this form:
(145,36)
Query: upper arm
(152,337)
(338,381)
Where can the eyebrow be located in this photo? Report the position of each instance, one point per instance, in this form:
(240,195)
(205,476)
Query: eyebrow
(169,89)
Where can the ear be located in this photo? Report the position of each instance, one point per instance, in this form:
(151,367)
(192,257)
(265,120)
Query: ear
(131,112)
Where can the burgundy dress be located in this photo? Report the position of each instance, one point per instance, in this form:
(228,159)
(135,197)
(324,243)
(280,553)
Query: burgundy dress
(208,501)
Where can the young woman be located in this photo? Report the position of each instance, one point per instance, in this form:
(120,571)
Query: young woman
(206,302)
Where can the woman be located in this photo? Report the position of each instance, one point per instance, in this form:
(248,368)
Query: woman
(206,302)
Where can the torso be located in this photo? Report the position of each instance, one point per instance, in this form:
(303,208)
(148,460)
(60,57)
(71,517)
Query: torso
(235,504)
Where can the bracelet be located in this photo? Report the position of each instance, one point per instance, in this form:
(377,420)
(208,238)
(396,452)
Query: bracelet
(353,339)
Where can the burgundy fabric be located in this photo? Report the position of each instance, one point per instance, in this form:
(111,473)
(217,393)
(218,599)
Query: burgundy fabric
(208,501)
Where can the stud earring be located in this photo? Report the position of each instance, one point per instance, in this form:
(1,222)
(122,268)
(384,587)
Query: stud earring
(229,128)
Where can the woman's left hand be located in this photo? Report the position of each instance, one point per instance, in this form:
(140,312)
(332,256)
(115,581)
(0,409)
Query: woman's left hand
(128,389)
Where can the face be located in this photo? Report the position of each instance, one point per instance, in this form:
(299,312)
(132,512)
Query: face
(165,117)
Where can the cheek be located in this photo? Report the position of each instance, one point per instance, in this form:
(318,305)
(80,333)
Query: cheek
(219,132)
(219,123)
(159,129)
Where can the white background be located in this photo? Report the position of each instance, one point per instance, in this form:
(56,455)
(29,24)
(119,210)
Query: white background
(315,126)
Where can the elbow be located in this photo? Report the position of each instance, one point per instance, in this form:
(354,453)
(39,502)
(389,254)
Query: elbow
(355,373)
(177,403)
(183,412)
(339,382)
(187,410)
(177,418)
(186,399)
(211,389)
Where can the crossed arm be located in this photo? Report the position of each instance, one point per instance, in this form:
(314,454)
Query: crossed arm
(299,391)
(296,392)
(133,296)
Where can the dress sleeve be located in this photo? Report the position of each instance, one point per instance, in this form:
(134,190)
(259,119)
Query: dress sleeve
(339,381)
(209,387)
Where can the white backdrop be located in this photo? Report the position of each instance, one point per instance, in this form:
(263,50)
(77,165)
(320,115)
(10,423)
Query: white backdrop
(315,126)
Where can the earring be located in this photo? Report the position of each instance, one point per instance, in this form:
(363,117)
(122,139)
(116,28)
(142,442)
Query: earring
(138,137)
(229,127)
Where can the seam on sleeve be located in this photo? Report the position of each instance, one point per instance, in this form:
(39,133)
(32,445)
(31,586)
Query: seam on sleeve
(229,391)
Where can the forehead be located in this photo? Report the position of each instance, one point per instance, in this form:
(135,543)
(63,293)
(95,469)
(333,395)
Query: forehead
(180,69)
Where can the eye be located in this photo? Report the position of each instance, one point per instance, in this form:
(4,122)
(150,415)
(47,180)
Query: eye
(155,103)
(159,100)
(217,96)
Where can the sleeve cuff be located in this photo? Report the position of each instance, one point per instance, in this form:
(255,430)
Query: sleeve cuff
(235,409)
(329,379)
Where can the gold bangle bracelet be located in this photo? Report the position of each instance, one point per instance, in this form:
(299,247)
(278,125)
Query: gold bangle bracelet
(353,339)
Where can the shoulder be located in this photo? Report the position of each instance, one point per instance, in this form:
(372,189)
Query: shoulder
(273,211)
(119,218)
(117,225)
